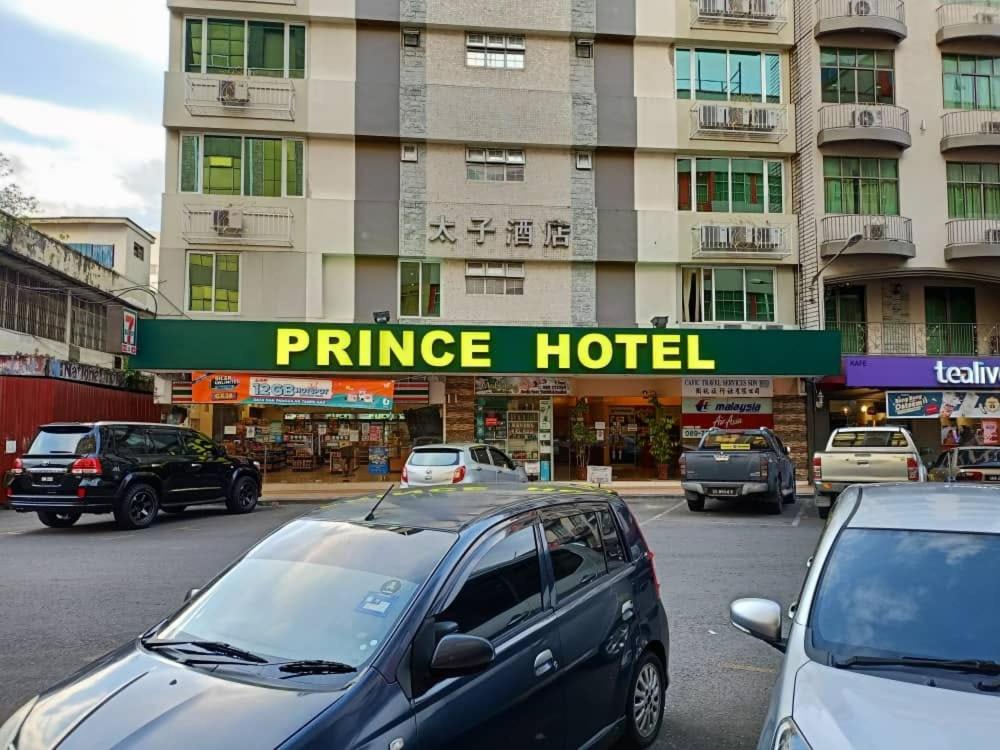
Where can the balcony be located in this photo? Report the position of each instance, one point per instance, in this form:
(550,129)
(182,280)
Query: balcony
(238,225)
(739,121)
(744,241)
(970,129)
(973,238)
(880,123)
(240,96)
(882,235)
(885,17)
(927,339)
(970,20)
(762,15)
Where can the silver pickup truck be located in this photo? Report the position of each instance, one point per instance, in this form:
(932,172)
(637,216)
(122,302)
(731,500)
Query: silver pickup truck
(864,455)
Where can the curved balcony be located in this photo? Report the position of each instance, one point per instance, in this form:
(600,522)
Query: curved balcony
(973,238)
(973,128)
(883,235)
(882,123)
(885,17)
(969,20)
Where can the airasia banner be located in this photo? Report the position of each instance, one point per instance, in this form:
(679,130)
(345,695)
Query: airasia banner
(728,421)
(242,388)
(728,406)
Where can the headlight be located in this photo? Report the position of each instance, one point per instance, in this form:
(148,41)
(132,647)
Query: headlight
(789,737)
(257,464)
(8,732)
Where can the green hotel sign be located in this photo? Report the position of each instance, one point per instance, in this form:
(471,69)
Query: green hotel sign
(182,345)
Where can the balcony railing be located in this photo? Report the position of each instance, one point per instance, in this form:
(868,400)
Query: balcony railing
(215,225)
(864,121)
(872,228)
(240,96)
(973,238)
(766,13)
(969,19)
(972,127)
(741,240)
(928,339)
(739,120)
(861,15)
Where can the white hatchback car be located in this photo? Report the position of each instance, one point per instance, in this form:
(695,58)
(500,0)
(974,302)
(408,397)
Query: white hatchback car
(460,463)
(893,642)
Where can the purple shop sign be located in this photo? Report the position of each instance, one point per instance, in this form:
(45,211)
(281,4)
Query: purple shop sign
(922,372)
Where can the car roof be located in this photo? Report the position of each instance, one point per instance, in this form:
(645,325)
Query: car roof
(456,507)
(923,506)
(884,428)
(111,423)
(449,446)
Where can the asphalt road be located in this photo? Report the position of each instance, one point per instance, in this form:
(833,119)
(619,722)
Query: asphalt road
(69,596)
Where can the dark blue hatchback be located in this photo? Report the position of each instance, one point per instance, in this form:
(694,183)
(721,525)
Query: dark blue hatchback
(455,617)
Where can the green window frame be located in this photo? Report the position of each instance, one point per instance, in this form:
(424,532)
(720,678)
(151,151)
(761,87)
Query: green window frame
(226,46)
(419,289)
(729,294)
(971,81)
(857,76)
(728,75)
(723,185)
(862,186)
(213,282)
(973,190)
(236,165)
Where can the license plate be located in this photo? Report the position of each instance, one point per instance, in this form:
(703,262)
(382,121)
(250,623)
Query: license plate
(723,491)
(721,457)
(48,479)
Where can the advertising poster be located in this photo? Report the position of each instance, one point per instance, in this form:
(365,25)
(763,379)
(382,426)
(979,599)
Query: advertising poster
(991,436)
(946,404)
(487,386)
(378,460)
(277,390)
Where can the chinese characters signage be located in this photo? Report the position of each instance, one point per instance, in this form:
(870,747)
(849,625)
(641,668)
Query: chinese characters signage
(230,388)
(520,232)
(728,387)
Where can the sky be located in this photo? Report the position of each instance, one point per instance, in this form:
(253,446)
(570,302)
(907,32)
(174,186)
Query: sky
(81,98)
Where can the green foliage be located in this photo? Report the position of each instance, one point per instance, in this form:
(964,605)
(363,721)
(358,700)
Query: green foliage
(582,436)
(662,447)
(15,204)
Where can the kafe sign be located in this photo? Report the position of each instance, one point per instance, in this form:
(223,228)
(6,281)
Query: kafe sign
(922,372)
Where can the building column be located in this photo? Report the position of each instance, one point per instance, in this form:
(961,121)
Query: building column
(460,410)
(790,425)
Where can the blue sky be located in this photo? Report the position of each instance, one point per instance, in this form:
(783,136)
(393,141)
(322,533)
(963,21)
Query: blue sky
(81,91)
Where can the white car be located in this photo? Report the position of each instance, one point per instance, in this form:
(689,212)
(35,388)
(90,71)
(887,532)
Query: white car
(460,463)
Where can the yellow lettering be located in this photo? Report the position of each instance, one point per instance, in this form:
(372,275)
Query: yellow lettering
(666,357)
(291,341)
(335,343)
(476,349)
(695,362)
(545,350)
(364,348)
(427,349)
(389,347)
(587,343)
(631,342)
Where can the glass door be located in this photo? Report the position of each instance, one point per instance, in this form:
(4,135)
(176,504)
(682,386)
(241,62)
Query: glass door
(845,312)
(950,313)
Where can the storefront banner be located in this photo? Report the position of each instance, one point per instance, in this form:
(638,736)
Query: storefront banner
(728,421)
(728,406)
(942,404)
(522,387)
(728,387)
(230,388)
(24,365)
(922,372)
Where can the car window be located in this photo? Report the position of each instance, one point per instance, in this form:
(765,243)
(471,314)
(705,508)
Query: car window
(435,457)
(130,442)
(503,590)
(942,461)
(69,441)
(778,445)
(869,439)
(198,446)
(166,442)
(734,441)
(480,456)
(614,550)
(576,551)
(499,459)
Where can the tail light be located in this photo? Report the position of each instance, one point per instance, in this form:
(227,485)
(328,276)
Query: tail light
(912,469)
(651,557)
(967,475)
(406,475)
(86,467)
(18,467)
(81,492)
(682,463)
(765,467)
(10,492)
(459,475)
(817,468)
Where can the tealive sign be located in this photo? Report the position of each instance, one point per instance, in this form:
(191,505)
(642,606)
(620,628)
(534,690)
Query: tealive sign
(977,373)
(922,372)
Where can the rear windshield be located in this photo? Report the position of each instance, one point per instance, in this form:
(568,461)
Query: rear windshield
(869,439)
(978,457)
(435,457)
(734,441)
(67,441)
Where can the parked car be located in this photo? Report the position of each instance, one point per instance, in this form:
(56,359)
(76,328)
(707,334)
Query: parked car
(459,463)
(459,617)
(129,469)
(893,640)
(738,465)
(864,455)
(970,464)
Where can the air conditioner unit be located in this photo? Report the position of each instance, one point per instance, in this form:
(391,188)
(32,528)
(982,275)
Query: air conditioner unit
(875,231)
(713,237)
(712,116)
(765,119)
(991,127)
(987,18)
(228,222)
(993,236)
(767,238)
(861,8)
(738,117)
(741,237)
(739,7)
(234,93)
(867,118)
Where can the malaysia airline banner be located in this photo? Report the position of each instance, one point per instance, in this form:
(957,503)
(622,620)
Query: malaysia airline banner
(728,406)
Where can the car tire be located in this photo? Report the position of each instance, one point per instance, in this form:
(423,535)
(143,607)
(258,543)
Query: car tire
(644,707)
(824,513)
(696,502)
(137,508)
(56,520)
(174,510)
(776,503)
(790,497)
(244,496)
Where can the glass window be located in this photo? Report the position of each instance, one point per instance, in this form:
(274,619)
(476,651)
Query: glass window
(419,289)
(971,82)
(973,191)
(494,278)
(190,145)
(504,589)
(869,439)
(223,46)
(196,444)
(745,76)
(214,282)
(194,28)
(722,441)
(857,76)
(435,457)
(729,295)
(682,69)
(494,165)
(262,176)
(576,552)
(481,456)
(266,49)
(237,165)
(499,458)
(294,168)
(166,442)
(297,52)
(861,186)
(728,75)
(494,51)
(775,187)
(748,186)
(614,550)
(70,441)
(760,295)
(223,165)
(226,41)
(130,441)
(710,78)
(684,185)
(724,185)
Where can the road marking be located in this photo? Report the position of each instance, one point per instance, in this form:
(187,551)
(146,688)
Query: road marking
(668,510)
(749,668)
(798,516)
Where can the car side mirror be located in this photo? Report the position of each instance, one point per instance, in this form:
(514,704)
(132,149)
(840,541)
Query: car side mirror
(191,594)
(760,618)
(457,655)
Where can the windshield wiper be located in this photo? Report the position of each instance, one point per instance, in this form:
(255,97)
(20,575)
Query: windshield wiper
(972,666)
(212,647)
(313,666)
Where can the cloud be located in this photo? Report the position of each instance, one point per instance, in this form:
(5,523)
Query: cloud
(138,27)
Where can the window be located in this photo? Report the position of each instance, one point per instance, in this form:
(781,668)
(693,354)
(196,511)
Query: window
(857,76)
(576,551)
(410,152)
(500,459)
(138,251)
(221,46)
(494,51)
(869,439)
(504,589)
(585,49)
(130,441)
(68,441)
(861,186)
(728,295)
(494,278)
(971,82)
(166,442)
(214,282)
(199,446)
(242,165)
(973,191)
(728,75)
(103,254)
(584,160)
(480,456)
(419,289)
(614,550)
(494,165)
(721,185)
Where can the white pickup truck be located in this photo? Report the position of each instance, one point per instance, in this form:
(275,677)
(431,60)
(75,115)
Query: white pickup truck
(864,455)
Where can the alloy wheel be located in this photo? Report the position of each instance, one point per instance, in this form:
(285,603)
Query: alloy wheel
(646,702)
(141,508)
(247,494)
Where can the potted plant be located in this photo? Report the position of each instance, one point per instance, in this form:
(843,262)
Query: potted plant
(582,437)
(662,446)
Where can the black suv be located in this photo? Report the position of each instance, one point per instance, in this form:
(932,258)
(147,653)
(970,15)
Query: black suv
(132,470)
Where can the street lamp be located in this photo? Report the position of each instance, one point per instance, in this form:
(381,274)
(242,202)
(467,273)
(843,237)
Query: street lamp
(853,240)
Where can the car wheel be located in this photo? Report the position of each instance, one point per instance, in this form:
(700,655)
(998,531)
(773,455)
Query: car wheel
(790,497)
(776,503)
(174,510)
(696,502)
(243,498)
(137,508)
(644,710)
(824,513)
(58,520)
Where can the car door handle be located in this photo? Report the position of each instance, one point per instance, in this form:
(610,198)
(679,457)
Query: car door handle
(628,611)
(195,466)
(545,662)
